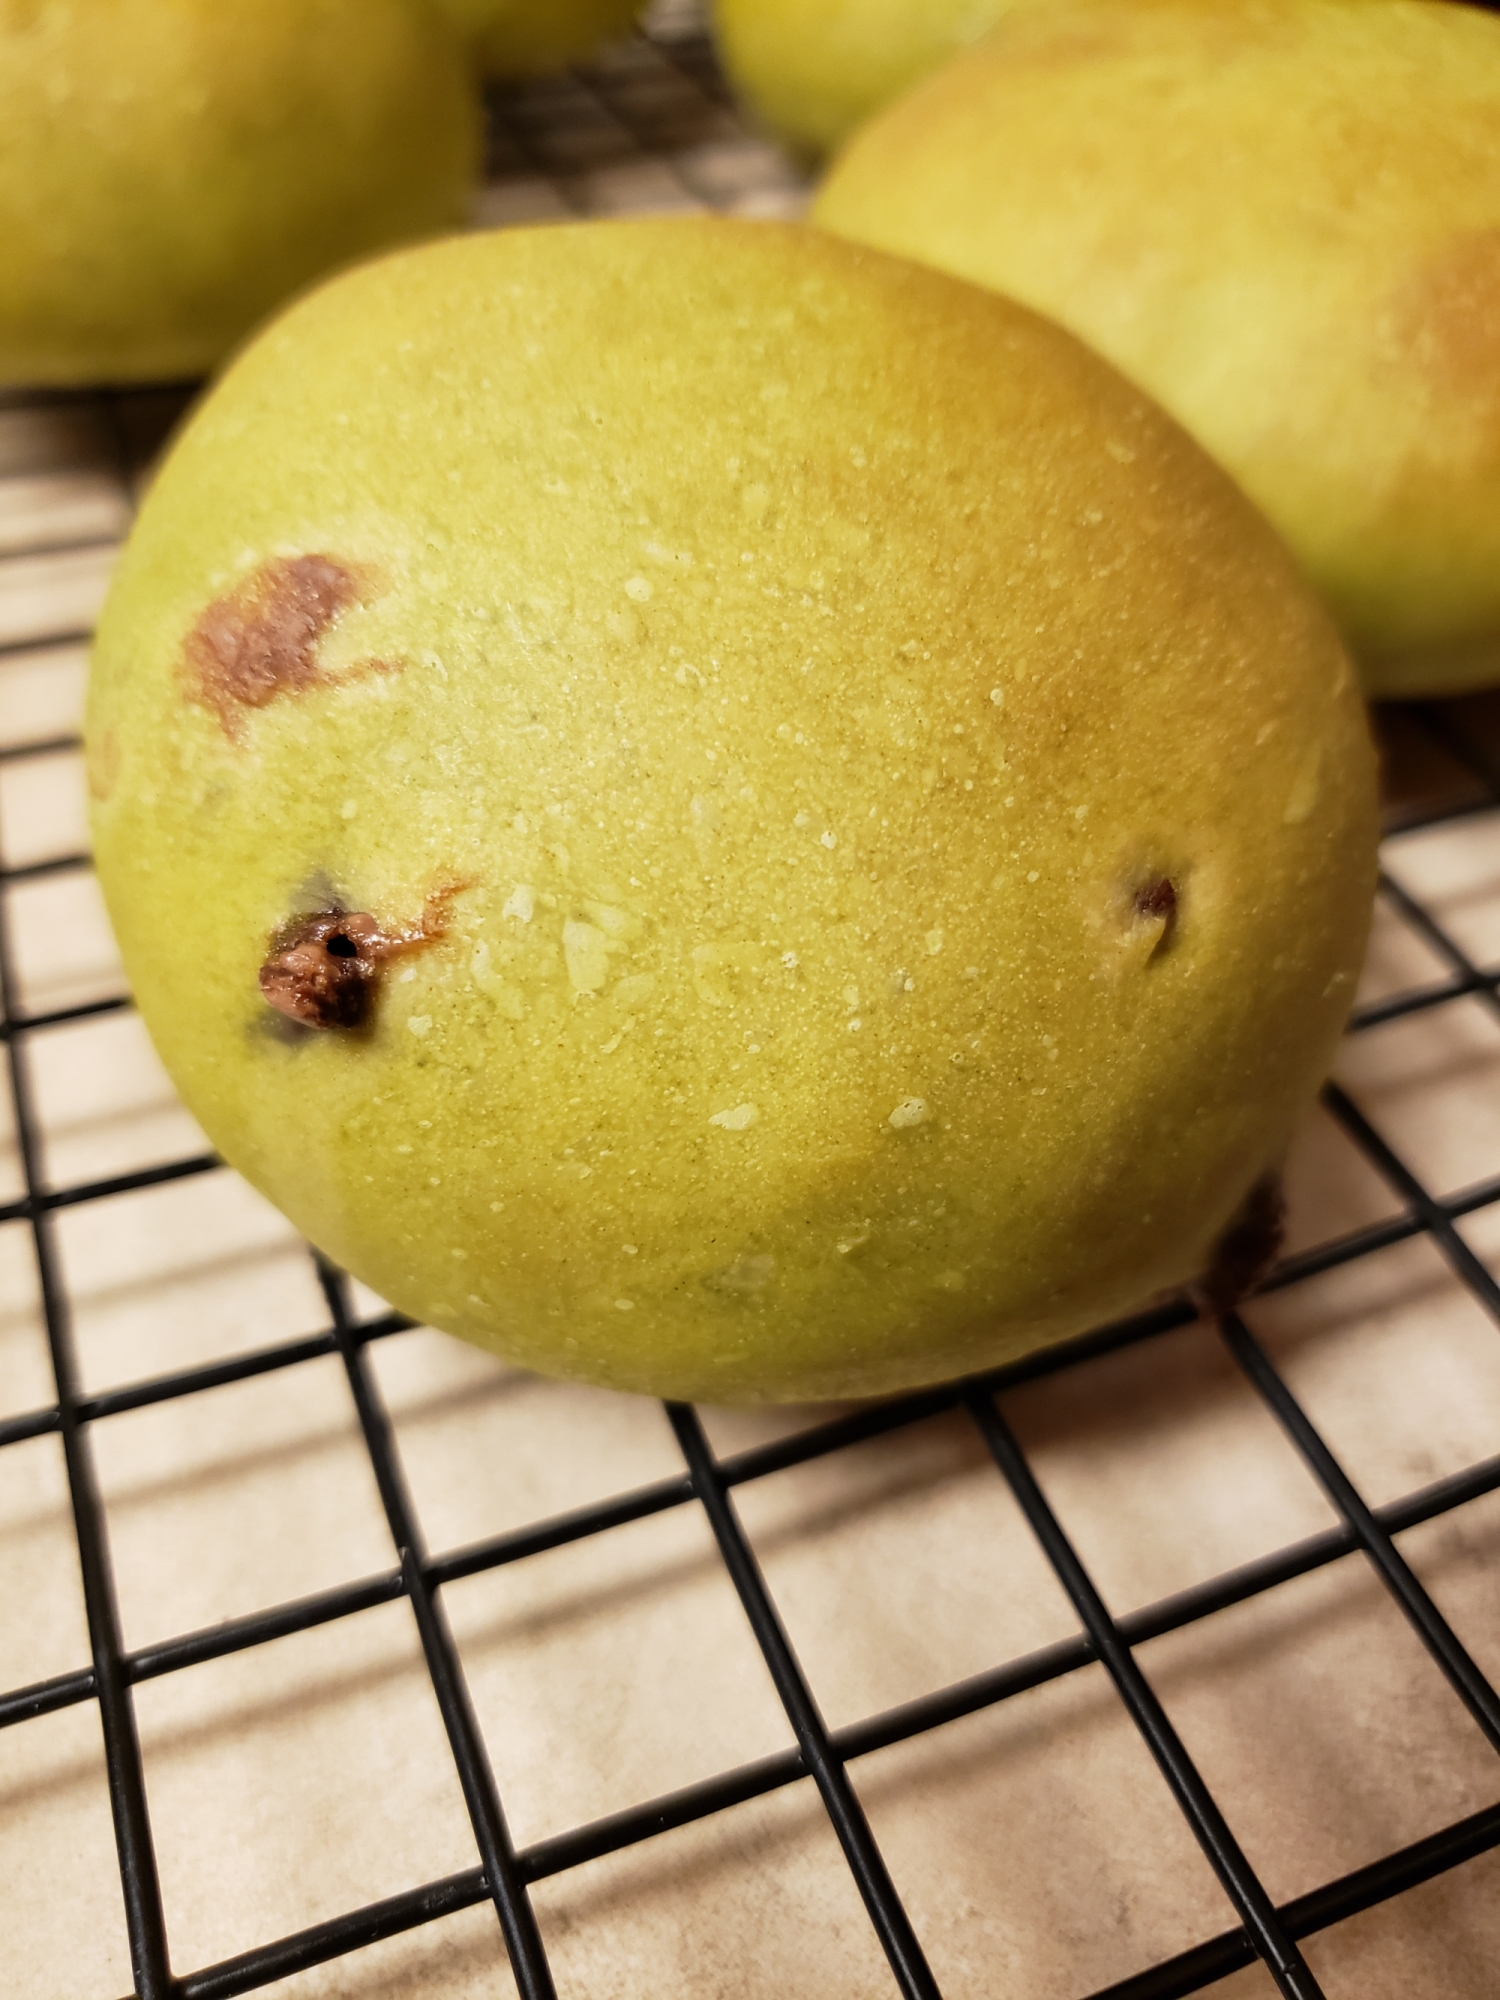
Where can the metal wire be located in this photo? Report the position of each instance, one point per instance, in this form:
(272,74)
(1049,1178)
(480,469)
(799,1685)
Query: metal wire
(1210,1828)
(503,1875)
(892,1925)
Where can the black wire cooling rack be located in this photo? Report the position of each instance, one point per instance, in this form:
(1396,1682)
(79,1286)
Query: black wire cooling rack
(657,113)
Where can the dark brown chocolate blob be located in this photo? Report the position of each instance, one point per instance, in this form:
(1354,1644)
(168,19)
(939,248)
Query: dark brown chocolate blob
(261,640)
(1247,1249)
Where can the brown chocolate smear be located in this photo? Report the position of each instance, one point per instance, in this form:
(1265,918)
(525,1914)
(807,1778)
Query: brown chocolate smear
(323,970)
(261,640)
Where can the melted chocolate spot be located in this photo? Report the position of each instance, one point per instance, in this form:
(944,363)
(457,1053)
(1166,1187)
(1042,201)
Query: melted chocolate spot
(261,641)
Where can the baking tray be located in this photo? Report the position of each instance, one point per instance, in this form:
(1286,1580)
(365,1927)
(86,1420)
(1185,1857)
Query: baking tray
(343,1660)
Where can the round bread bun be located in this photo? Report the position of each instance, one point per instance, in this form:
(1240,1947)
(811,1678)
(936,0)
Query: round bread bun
(721,813)
(1282,219)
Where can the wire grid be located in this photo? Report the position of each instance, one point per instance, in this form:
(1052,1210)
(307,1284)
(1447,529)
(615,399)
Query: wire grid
(652,127)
